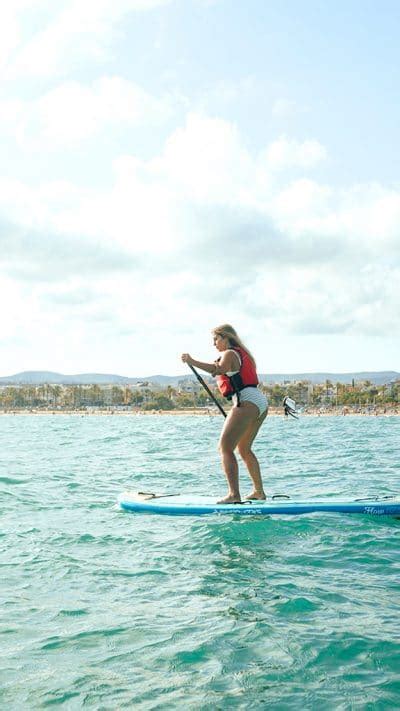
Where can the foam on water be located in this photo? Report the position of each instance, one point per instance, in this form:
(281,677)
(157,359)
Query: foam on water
(108,610)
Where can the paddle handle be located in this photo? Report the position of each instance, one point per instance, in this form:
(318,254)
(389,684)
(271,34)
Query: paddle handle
(207,389)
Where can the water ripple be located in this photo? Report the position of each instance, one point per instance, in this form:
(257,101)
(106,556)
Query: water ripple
(109,610)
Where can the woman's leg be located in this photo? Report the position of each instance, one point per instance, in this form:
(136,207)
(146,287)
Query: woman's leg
(239,420)
(250,459)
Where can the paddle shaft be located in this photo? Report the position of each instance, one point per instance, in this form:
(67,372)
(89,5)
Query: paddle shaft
(207,389)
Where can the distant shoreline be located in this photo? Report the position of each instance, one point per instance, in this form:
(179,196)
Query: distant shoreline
(205,412)
(42,377)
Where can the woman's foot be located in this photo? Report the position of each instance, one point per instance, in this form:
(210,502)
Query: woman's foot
(256,496)
(230,500)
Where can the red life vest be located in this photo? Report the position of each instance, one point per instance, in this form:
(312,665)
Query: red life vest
(245,378)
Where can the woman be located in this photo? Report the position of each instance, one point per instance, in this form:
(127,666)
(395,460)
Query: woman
(235,372)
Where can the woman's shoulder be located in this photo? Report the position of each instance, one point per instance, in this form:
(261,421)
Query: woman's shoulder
(237,356)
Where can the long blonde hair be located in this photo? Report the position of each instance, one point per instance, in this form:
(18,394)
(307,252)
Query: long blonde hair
(227,331)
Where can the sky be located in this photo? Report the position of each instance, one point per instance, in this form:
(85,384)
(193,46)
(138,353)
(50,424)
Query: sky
(167,166)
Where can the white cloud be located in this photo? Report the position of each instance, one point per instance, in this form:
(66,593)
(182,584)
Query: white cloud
(71,32)
(73,112)
(10,36)
(206,161)
(202,232)
(287,153)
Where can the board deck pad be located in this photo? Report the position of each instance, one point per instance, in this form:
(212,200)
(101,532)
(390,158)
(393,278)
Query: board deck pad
(279,504)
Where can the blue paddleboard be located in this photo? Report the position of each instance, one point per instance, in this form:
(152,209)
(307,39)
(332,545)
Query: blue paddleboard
(194,505)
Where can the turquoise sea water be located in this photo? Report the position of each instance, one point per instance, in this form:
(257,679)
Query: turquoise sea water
(109,610)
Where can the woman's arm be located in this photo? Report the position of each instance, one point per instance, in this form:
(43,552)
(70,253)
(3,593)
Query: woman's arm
(227,362)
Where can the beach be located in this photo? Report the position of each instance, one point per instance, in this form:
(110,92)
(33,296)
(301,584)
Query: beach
(206,412)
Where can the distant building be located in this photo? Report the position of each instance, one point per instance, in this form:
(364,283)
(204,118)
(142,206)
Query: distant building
(189,386)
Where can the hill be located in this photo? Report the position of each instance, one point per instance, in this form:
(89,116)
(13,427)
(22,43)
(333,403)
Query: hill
(40,377)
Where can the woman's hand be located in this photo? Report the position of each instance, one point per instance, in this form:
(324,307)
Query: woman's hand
(208,367)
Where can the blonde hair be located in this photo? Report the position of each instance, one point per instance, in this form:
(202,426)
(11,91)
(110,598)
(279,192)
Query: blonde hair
(227,331)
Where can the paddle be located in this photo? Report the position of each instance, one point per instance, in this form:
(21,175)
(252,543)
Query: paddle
(207,389)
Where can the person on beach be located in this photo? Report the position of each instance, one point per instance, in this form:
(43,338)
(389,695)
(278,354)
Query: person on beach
(236,376)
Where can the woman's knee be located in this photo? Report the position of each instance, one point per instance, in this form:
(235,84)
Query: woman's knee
(225,447)
(245,452)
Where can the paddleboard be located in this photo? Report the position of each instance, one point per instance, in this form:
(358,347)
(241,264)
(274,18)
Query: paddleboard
(194,505)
